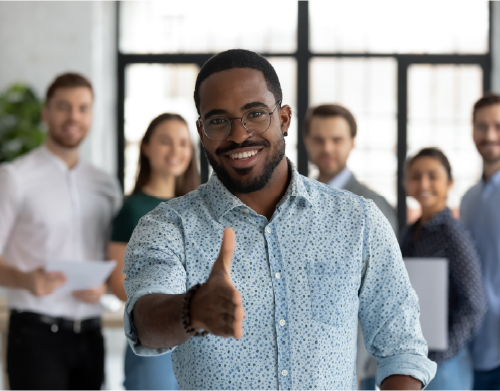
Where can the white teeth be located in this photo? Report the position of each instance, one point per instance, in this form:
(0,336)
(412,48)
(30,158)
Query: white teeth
(242,155)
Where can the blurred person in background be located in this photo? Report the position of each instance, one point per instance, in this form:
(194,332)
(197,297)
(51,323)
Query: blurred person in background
(438,235)
(329,135)
(54,205)
(480,212)
(167,169)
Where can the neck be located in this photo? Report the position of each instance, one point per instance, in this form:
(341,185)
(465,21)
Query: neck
(161,186)
(490,169)
(264,201)
(429,213)
(69,156)
(325,177)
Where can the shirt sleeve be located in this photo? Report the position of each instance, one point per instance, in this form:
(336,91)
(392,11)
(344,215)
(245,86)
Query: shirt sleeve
(10,196)
(466,290)
(154,263)
(389,310)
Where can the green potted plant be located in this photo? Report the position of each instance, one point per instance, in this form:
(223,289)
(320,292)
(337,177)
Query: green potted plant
(21,127)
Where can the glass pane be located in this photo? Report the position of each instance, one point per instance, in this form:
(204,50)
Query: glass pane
(367,87)
(286,68)
(152,89)
(440,100)
(173,27)
(395,26)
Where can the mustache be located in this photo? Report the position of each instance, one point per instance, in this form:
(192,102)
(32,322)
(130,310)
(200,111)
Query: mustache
(245,144)
(488,143)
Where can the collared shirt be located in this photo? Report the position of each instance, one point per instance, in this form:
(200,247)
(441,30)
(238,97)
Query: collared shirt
(48,211)
(323,258)
(480,212)
(340,180)
(444,237)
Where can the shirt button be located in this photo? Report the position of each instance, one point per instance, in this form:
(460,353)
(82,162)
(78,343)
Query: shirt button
(282,322)
(277,275)
(268,230)
(284,372)
(246,211)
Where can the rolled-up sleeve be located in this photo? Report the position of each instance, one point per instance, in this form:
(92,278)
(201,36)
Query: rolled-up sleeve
(154,263)
(389,310)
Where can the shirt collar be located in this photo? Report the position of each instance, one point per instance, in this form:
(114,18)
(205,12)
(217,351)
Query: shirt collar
(494,180)
(59,162)
(341,179)
(220,200)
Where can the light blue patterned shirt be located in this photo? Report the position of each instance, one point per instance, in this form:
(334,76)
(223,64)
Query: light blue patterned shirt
(325,258)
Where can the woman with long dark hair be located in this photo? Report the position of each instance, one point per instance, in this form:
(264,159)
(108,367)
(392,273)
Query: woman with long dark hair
(167,169)
(438,235)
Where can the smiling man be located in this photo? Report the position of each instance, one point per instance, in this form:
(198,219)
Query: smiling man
(480,212)
(54,205)
(256,279)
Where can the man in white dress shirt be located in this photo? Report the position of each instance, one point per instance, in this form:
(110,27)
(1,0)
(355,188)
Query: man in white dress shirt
(54,206)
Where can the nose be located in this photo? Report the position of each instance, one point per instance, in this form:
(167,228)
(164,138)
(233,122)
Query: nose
(328,146)
(74,114)
(238,132)
(425,182)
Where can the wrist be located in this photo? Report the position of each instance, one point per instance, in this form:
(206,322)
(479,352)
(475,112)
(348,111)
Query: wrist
(191,324)
(21,279)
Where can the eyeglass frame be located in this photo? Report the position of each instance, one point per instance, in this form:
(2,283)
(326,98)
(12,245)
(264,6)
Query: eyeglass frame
(200,122)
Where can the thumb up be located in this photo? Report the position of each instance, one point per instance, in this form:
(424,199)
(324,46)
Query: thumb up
(217,306)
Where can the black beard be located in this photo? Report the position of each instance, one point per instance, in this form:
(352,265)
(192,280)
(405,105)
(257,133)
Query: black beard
(238,187)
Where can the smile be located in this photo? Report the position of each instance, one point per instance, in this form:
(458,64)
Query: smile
(243,155)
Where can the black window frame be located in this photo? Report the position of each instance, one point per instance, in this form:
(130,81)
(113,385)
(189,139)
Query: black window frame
(302,56)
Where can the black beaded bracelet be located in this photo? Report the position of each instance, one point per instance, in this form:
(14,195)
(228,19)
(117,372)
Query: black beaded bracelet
(186,312)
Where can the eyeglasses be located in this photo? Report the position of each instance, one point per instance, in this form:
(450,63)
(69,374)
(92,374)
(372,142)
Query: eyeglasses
(254,121)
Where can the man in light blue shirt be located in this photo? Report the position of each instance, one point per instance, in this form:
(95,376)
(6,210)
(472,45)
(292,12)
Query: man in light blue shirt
(281,295)
(480,212)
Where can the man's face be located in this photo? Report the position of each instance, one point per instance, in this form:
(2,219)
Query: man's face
(486,133)
(68,115)
(231,94)
(329,144)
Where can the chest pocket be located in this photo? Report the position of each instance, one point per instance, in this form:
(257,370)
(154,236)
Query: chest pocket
(334,292)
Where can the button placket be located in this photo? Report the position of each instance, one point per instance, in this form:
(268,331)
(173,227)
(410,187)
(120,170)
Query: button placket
(281,308)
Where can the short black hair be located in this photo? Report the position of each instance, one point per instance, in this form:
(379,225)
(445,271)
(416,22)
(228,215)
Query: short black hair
(434,153)
(238,58)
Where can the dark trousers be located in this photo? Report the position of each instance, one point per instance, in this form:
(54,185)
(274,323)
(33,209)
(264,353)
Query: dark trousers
(40,358)
(487,380)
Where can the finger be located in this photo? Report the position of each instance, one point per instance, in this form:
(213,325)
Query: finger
(55,276)
(223,262)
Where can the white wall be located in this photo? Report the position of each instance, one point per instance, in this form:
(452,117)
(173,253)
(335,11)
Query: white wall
(39,40)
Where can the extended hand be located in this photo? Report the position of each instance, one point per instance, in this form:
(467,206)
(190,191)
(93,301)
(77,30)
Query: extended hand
(90,296)
(217,306)
(41,283)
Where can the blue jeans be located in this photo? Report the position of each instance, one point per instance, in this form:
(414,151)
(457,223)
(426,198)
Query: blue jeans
(487,380)
(454,374)
(149,373)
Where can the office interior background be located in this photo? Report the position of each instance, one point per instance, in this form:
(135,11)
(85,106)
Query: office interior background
(409,71)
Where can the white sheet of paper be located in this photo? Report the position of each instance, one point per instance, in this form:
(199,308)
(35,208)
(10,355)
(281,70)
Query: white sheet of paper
(81,275)
(429,278)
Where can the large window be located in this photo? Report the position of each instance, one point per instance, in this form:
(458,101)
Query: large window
(408,75)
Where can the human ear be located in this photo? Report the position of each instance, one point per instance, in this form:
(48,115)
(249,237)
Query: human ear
(285,114)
